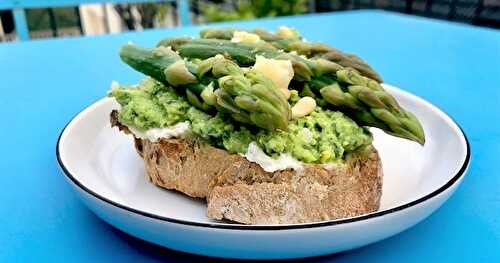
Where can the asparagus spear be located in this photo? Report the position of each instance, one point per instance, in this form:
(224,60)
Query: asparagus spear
(362,98)
(243,53)
(253,98)
(369,104)
(295,43)
(248,97)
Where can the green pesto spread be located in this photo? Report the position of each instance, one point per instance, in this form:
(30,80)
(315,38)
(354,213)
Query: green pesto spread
(151,105)
(321,137)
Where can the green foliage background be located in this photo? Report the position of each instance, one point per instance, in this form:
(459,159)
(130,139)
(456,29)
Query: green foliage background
(249,9)
(38,19)
(210,11)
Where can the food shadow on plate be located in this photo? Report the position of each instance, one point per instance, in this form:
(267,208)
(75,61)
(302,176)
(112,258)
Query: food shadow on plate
(194,200)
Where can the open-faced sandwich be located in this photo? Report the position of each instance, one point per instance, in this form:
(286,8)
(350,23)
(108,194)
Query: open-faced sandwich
(269,128)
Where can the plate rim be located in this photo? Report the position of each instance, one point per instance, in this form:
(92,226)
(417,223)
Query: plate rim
(377,214)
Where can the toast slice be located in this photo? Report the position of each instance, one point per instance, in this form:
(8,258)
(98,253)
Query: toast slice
(241,191)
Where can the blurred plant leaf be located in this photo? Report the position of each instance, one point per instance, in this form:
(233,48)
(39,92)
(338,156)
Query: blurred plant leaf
(244,10)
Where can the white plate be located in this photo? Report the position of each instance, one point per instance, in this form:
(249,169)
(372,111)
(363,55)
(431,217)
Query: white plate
(102,166)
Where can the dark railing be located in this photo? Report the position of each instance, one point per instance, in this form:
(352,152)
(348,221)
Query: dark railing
(477,12)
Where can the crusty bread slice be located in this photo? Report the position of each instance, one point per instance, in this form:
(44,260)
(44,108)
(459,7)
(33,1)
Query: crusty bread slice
(241,191)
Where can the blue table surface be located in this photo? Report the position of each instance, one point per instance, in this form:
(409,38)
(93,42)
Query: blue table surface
(44,83)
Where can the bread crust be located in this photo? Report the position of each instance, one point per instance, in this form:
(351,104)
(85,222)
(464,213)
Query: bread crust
(241,191)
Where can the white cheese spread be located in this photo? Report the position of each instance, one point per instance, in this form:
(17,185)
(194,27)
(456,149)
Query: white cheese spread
(155,134)
(285,161)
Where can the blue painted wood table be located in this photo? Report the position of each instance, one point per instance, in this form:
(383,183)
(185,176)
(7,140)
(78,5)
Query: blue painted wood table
(44,83)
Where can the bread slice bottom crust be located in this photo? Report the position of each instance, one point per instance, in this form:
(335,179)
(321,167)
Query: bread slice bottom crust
(241,191)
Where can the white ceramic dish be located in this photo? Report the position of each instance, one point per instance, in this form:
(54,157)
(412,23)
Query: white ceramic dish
(102,166)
